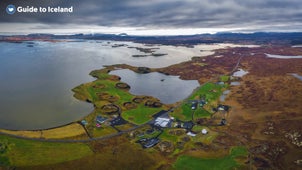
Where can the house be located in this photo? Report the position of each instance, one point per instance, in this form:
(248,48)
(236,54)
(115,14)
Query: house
(151,142)
(84,122)
(164,120)
(202,103)
(100,119)
(178,124)
(191,134)
(142,140)
(204,131)
(223,107)
(118,121)
(188,125)
(194,106)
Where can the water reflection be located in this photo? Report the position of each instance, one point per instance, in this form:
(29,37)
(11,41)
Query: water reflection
(169,89)
(36,80)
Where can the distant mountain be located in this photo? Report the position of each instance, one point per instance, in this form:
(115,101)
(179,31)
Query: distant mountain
(123,34)
(222,37)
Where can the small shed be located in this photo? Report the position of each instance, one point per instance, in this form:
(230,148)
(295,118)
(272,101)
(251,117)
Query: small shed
(191,134)
(194,106)
(188,125)
(223,107)
(151,142)
(100,119)
(204,131)
(202,103)
(84,122)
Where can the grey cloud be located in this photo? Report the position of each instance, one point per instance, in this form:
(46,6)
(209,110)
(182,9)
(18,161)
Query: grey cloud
(166,14)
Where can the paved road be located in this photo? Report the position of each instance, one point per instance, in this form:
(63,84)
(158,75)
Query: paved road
(77,140)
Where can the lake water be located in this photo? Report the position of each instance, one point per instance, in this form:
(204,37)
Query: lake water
(240,73)
(282,56)
(224,95)
(169,89)
(297,76)
(36,81)
(297,46)
(235,83)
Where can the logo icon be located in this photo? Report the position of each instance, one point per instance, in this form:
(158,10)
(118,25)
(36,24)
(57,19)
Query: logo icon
(11,9)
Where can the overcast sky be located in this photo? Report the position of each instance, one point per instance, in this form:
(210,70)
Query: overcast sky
(156,16)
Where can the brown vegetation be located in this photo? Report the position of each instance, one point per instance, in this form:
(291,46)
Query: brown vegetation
(113,154)
(68,131)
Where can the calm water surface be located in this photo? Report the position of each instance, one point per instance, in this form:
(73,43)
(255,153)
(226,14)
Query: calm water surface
(169,89)
(282,56)
(36,81)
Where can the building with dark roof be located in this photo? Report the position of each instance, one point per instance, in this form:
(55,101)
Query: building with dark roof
(188,125)
(100,119)
(151,142)
(223,107)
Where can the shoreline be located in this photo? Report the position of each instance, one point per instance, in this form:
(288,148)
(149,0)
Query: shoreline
(40,133)
(70,130)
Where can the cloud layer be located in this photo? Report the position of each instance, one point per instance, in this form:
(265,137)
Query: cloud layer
(245,14)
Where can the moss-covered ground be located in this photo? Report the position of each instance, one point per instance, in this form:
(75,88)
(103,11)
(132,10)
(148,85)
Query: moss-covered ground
(210,92)
(228,162)
(104,92)
(21,152)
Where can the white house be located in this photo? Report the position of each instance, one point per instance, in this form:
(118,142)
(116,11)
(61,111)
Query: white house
(162,122)
(204,131)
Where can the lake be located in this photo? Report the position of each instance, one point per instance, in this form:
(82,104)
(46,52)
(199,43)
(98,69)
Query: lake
(169,89)
(37,78)
(282,56)
(240,73)
(297,76)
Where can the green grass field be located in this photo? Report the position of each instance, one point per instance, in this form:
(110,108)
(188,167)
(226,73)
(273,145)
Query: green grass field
(100,74)
(210,91)
(168,137)
(140,115)
(201,113)
(22,152)
(224,78)
(185,162)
